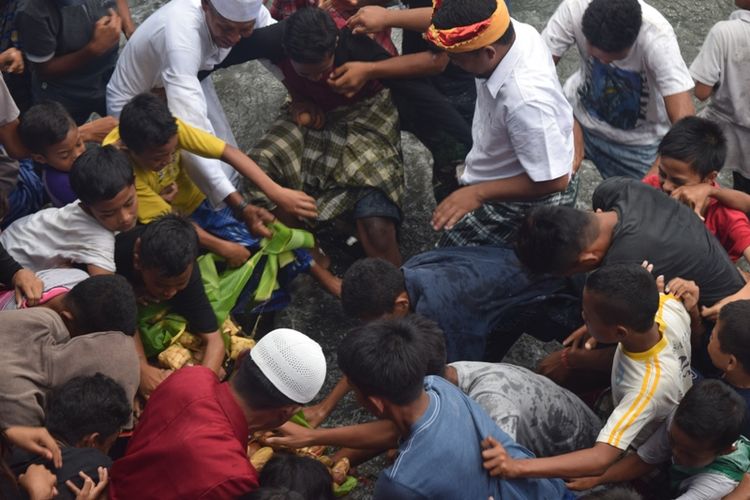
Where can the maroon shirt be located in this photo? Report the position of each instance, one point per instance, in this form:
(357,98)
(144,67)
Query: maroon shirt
(191,442)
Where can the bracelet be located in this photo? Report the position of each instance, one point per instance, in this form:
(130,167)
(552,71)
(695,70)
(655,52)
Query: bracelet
(241,207)
(564,358)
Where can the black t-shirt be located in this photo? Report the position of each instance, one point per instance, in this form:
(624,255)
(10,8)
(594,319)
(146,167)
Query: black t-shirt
(191,302)
(74,460)
(656,228)
(8,267)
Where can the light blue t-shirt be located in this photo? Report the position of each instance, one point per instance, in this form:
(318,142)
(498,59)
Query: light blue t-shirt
(442,457)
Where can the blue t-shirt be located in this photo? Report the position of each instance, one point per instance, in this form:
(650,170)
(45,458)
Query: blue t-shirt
(442,457)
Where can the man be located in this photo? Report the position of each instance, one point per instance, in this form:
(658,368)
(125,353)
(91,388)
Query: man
(191,440)
(523,151)
(631,85)
(167,52)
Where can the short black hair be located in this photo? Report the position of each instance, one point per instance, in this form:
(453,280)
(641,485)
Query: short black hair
(455,13)
(385,358)
(550,238)
(370,288)
(169,245)
(100,173)
(255,389)
(697,142)
(310,35)
(85,405)
(304,475)
(712,410)
(272,493)
(146,122)
(44,125)
(612,25)
(628,295)
(734,334)
(103,303)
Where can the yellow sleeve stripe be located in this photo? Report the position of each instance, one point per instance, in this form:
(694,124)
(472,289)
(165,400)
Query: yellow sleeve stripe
(645,394)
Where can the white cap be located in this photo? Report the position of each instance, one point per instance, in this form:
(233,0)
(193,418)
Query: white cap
(293,362)
(239,11)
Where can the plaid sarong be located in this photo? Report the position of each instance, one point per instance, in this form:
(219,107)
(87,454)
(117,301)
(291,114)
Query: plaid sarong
(497,223)
(360,146)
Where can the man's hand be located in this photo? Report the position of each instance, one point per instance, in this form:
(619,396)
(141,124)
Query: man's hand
(697,197)
(35,440)
(106,33)
(307,114)
(151,377)
(349,78)
(11,61)
(685,290)
(256,218)
(496,460)
(583,483)
(234,253)
(292,435)
(296,203)
(455,206)
(90,490)
(38,482)
(369,19)
(28,285)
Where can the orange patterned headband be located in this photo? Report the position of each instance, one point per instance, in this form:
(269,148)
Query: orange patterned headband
(472,37)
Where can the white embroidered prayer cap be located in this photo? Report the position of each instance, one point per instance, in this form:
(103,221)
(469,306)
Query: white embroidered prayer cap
(293,362)
(239,11)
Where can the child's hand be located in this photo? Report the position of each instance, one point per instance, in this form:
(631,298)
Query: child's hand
(234,253)
(697,197)
(307,114)
(369,19)
(151,377)
(296,203)
(687,291)
(454,207)
(90,491)
(38,482)
(106,33)
(349,78)
(291,435)
(496,460)
(28,285)
(169,193)
(11,61)
(35,440)
(582,483)
(256,218)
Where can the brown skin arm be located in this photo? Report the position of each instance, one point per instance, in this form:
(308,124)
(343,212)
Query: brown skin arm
(702,91)
(95,270)
(379,435)
(128,26)
(214,351)
(628,468)
(372,19)
(742,491)
(679,106)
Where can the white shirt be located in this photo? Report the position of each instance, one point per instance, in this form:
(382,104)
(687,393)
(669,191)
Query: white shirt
(522,121)
(724,59)
(647,386)
(167,51)
(60,237)
(622,101)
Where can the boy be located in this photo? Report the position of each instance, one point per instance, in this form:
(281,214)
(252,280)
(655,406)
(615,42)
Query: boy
(471,292)
(159,261)
(729,349)
(701,441)
(55,284)
(155,140)
(55,142)
(720,74)
(284,370)
(691,153)
(650,373)
(631,84)
(439,425)
(85,415)
(88,331)
(81,233)
(73,50)
(523,144)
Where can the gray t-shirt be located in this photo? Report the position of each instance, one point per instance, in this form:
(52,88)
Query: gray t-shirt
(530,408)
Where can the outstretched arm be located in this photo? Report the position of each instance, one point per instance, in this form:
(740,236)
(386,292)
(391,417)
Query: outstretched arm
(372,19)
(379,435)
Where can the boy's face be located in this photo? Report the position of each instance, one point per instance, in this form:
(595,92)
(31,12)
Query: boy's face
(719,358)
(162,287)
(315,72)
(675,173)
(602,332)
(62,155)
(158,157)
(117,214)
(690,452)
(479,63)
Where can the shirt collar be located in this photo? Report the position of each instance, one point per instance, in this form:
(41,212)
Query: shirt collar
(233,412)
(504,69)
(742,15)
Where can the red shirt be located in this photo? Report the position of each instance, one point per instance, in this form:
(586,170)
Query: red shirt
(731,227)
(190,443)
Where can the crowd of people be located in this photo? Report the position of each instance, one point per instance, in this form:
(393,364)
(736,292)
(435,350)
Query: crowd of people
(135,232)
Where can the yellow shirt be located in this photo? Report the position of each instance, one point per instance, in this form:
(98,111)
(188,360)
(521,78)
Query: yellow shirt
(148,183)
